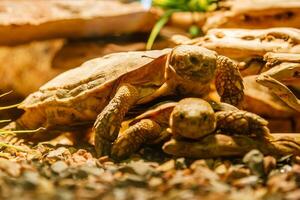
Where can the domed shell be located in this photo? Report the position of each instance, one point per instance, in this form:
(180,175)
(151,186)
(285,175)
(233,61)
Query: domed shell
(93,75)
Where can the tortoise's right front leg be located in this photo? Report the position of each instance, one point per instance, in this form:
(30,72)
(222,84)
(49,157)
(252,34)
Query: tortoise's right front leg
(109,121)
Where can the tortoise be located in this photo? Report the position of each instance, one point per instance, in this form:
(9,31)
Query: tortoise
(105,88)
(191,118)
(234,132)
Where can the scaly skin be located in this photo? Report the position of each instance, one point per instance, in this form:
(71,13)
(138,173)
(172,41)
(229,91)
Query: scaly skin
(109,121)
(136,135)
(241,122)
(229,82)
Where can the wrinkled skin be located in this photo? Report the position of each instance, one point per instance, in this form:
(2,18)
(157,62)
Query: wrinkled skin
(105,89)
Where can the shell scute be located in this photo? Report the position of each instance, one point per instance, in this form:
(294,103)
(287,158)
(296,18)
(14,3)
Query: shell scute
(94,75)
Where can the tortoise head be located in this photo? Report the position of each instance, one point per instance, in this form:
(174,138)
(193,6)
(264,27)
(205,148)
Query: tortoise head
(192,118)
(193,63)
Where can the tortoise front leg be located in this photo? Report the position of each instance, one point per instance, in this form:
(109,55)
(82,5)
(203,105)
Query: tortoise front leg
(131,139)
(243,123)
(108,122)
(282,91)
(229,82)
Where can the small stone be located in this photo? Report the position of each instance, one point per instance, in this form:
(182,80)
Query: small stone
(154,182)
(141,167)
(221,169)
(180,163)
(297,159)
(92,170)
(59,166)
(293,195)
(11,168)
(167,166)
(285,169)
(198,163)
(269,164)
(104,159)
(247,181)
(255,161)
(31,179)
(132,179)
(236,172)
(56,153)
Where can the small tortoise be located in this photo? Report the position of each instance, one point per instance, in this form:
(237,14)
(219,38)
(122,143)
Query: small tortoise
(191,118)
(236,132)
(104,89)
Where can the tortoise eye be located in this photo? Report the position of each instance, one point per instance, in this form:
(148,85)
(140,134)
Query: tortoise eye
(194,60)
(205,64)
(181,116)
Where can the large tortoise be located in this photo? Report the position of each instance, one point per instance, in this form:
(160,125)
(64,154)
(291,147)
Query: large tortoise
(104,89)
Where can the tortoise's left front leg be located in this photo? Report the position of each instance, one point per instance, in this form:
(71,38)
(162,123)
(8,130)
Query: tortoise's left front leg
(229,82)
(243,123)
(109,121)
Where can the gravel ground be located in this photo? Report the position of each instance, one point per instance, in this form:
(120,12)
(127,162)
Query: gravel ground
(68,172)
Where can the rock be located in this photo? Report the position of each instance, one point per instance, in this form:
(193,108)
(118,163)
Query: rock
(11,168)
(59,166)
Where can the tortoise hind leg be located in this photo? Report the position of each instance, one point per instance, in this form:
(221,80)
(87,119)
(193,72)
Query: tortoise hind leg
(109,121)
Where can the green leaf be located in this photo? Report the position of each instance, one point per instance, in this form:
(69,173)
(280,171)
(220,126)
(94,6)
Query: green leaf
(194,31)
(157,27)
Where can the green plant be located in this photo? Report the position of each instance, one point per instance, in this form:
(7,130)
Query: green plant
(171,6)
